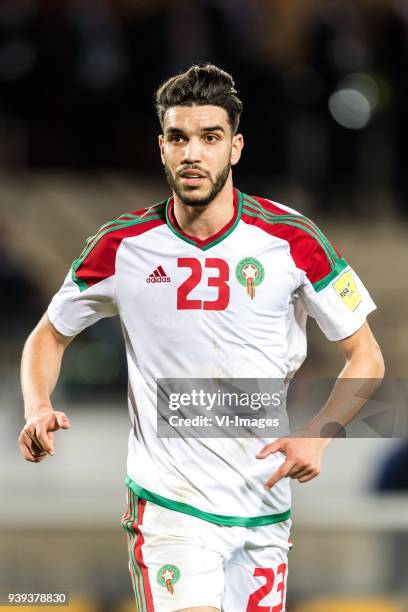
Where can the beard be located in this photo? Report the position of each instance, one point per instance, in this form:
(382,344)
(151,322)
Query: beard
(191,200)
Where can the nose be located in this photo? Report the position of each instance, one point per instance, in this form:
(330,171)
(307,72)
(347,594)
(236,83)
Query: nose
(192,152)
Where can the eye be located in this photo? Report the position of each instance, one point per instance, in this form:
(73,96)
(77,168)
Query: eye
(210,138)
(176,138)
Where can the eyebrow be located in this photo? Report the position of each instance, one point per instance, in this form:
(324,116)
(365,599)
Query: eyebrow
(213,128)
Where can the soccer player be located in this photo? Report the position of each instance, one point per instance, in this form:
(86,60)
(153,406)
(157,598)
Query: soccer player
(209,283)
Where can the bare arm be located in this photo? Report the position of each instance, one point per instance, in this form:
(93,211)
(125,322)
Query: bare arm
(362,373)
(364,362)
(40,368)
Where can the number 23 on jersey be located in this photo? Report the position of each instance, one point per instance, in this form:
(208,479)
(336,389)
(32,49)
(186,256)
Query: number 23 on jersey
(220,282)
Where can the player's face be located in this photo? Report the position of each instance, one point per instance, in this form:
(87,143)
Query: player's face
(198,150)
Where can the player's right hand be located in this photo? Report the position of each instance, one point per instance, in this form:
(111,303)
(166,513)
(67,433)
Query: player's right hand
(36,440)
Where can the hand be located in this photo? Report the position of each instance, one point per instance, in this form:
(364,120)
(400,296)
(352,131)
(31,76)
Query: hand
(303,458)
(36,440)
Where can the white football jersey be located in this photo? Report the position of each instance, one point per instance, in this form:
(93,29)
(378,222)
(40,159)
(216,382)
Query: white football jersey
(231,306)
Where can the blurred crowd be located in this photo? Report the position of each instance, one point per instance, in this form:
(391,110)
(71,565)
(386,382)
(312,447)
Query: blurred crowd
(323,84)
(325,94)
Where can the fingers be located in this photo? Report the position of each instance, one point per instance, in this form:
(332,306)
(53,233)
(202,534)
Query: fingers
(299,469)
(304,470)
(274,447)
(302,459)
(308,475)
(62,420)
(35,445)
(29,449)
(295,469)
(59,420)
(36,440)
(45,438)
(280,473)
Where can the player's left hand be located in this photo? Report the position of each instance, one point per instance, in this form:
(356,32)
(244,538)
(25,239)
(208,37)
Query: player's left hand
(303,458)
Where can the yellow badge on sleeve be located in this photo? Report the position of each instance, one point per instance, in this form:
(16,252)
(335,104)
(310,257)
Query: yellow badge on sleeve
(346,289)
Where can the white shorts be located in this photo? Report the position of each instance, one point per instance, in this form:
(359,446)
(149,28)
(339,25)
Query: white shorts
(180,561)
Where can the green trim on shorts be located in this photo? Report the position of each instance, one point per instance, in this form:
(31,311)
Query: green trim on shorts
(219,519)
(135,569)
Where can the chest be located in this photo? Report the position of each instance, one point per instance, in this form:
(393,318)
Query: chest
(243,275)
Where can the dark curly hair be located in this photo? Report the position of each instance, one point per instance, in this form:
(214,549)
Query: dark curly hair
(200,85)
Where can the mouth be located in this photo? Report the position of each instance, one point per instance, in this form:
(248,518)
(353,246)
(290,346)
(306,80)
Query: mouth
(192,178)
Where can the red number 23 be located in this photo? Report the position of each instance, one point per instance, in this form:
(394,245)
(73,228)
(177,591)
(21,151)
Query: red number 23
(255,598)
(220,281)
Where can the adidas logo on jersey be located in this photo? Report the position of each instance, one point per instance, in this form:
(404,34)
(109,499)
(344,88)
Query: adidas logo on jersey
(158,276)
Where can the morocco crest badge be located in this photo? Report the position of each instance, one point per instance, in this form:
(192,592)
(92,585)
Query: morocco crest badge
(167,576)
(250,273)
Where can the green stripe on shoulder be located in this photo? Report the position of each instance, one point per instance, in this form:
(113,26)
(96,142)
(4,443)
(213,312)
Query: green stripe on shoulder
(104,230)
(81,284)
(341,264)
(291,218)
(156,209)
(255,209)
(219,519)
(294,223)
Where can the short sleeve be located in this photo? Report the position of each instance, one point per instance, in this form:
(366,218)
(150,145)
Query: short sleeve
(332,292)
(88,291)
(72,310)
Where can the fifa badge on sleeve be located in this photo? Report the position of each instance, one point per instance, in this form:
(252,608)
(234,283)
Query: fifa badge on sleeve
(346,289)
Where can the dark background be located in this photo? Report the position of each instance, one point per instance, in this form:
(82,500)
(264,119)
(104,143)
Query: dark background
(77,79)
(325,89)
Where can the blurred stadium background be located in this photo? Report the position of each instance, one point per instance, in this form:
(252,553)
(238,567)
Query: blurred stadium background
(325,89)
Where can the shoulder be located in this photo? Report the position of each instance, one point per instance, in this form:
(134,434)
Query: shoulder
(310,248)
(130,223)
(267,205)
(98,257)
(281,221)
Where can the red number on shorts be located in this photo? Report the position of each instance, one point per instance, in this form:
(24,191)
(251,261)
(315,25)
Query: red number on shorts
(255,598)
(192,281)
(264,590)
(220,281)
(281,587)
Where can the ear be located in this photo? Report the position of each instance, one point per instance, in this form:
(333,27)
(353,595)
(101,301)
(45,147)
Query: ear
(161,146)
(237,146)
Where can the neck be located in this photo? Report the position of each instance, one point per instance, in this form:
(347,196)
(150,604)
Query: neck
(205,221)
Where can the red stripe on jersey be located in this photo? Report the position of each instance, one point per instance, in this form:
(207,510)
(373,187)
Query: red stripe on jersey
(278,210)
(139,556)
(306,252)
(100,262)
